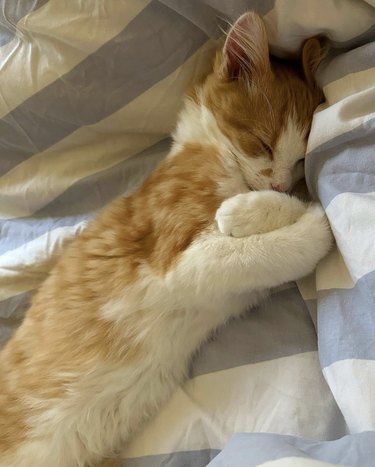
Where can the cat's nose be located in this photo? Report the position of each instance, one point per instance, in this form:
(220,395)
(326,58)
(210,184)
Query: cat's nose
(278,187)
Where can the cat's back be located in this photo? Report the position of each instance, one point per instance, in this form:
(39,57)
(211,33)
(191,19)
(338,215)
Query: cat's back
(133,237)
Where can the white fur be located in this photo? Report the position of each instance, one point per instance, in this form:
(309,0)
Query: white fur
(197,124)
(286,170)
(290,148)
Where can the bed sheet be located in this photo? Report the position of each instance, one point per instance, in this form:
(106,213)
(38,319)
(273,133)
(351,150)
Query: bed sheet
(89,93)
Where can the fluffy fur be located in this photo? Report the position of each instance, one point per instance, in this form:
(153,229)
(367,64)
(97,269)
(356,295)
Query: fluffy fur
(110,333)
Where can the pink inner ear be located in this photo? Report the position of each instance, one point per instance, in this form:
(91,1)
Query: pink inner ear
(235,45)
(235,57)
(246,48)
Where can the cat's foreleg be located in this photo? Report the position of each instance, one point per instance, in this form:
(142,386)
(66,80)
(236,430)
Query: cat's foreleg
(217,263)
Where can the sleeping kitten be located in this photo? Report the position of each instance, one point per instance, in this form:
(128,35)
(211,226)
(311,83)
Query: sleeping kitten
(111,332)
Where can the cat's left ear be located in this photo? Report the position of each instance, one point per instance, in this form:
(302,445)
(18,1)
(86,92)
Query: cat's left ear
(245,52)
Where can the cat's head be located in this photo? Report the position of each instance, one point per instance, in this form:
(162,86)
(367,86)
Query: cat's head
(262,105)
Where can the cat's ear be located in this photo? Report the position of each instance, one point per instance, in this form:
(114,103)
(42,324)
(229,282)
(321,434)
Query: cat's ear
(245,51)
(313,52)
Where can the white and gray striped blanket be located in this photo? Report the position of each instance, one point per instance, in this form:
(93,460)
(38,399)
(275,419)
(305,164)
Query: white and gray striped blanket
(89,92)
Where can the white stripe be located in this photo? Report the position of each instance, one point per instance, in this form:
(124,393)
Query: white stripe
(35,182)
(307,287)
(290,22)
(352,382)
(349,85)
(53,39)
(260,397)
(352,219)
(332,273)
(23,268)
(297,462)
(350,103)
(341,118)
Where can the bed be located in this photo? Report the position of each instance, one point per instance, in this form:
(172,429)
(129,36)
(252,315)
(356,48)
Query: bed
(89,92)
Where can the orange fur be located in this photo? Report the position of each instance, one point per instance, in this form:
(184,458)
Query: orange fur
(245,114)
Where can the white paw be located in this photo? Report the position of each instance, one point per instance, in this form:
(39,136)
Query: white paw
(316,215)
(320,230)
(233,217)
(257,212)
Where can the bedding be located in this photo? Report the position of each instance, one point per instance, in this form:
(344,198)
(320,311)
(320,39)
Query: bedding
(89,92)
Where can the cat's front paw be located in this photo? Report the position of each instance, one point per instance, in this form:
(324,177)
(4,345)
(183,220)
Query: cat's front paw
(319,229)
(233,217)
(257,212)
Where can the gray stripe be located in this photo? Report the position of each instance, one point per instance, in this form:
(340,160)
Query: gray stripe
(232,9)
(82,199)
(252,449)
(174,459)
(207,15)
(278,328)
(17,232)
(196,11)
(340,64)
(15,307)
(11,11)
(346,322)
(12,312)
(153,45)
(312,306)
(345,163)
(363,38)
(7,328)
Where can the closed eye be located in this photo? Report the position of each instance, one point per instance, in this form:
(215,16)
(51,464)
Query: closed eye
(267,149)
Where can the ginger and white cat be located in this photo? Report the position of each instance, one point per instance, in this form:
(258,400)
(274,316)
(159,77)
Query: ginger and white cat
(110,333)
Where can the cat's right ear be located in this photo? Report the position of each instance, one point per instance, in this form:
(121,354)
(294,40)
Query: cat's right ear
(314,50)
(245,52)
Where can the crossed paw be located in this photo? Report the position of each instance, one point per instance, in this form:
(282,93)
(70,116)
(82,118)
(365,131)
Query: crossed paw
(257,212)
